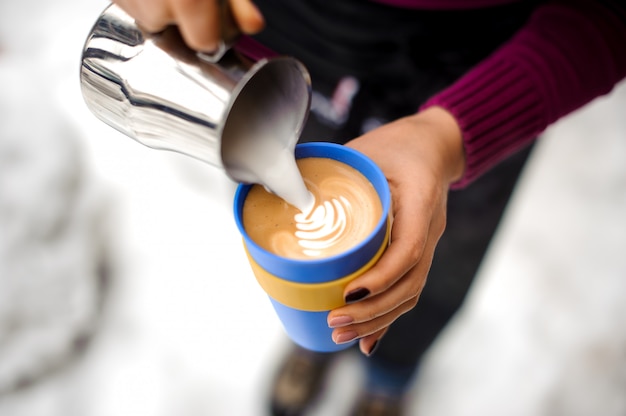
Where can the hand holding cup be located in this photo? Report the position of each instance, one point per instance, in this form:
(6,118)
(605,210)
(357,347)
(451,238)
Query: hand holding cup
(305,271)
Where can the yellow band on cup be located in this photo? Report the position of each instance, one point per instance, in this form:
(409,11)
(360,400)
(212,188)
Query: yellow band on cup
(313,297)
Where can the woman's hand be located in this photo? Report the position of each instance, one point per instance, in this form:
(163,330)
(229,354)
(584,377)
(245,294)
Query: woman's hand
(197,20)
(421,155)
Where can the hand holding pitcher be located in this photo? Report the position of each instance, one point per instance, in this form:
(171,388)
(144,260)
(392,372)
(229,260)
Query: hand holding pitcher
(200,22)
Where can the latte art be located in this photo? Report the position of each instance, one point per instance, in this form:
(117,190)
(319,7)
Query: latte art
(345,212)
(323,227)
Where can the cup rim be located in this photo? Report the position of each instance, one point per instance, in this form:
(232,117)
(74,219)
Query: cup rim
(336,266)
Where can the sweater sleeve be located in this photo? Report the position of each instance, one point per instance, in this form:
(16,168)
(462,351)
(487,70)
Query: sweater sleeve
(568,53)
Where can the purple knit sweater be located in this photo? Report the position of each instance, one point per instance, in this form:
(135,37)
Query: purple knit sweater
(568,53)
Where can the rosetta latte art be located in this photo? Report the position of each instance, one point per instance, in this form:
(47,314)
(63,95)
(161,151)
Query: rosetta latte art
(345,212)
(342,216)
(323,227)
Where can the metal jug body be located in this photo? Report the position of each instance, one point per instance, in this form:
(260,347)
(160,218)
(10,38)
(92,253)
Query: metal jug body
(156,90)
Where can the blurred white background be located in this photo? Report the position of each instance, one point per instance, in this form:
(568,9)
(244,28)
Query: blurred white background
(135,250)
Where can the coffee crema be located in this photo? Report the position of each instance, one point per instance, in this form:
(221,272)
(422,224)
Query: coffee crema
(346,210)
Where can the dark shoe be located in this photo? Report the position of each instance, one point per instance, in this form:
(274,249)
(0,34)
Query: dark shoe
(378,405)
(298,382)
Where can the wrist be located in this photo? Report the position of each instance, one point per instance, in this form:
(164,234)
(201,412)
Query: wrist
(448,138)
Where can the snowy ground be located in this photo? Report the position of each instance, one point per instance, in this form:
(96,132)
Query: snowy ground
(184,329)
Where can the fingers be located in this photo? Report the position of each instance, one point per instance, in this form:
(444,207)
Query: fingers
(358,319)
(406,249)
(418,224)
(151,17)
(393,286)
(248,17)
(368,344)
(199,21)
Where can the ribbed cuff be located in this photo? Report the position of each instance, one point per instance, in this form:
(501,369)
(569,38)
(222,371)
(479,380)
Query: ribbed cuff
(498,109)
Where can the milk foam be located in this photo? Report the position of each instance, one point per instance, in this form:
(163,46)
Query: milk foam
(346,209)
(323,227)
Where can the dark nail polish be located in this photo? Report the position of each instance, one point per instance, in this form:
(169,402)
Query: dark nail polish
(356,295)
(373,348)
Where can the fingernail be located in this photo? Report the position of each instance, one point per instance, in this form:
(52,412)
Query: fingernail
(253,22)
(257,13)
(338,321)
(373,348)
(356,295)
(344,337)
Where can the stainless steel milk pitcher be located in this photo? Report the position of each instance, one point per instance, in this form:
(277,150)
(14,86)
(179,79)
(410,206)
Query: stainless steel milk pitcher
(156,90)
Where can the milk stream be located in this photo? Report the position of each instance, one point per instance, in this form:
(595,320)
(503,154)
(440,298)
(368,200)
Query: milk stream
(283,179)
(269,161)
(320,224)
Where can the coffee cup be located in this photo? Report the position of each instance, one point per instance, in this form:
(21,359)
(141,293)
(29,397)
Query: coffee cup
(303,288)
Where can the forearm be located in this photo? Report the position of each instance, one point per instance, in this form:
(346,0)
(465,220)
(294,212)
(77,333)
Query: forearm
(568,54)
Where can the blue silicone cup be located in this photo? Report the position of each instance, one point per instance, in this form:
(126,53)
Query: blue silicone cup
(330,268)
(307,328)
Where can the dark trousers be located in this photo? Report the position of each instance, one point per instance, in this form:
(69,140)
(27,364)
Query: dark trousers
(391,61)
